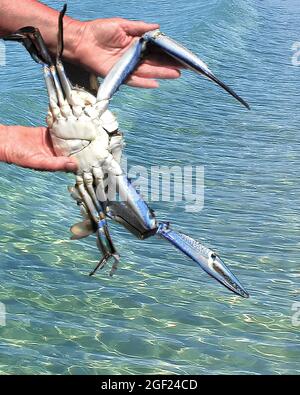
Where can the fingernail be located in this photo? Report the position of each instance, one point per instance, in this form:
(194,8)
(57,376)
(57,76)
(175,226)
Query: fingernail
(71,167)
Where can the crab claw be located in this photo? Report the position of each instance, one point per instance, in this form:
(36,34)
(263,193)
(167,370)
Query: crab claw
(217,269)
(208,260)
(187,58)
(121,70)
(33,41)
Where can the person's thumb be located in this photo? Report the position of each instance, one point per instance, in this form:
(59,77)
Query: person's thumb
(138,28)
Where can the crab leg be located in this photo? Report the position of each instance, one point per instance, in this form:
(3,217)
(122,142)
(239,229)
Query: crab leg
(136,216)
(187,58)
(67,87)
(121,70)
(105,243)
(129,61)
(207,259)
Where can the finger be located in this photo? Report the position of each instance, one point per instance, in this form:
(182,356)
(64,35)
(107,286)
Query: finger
(138,82)
(159,72)
(60,163)
(138,28)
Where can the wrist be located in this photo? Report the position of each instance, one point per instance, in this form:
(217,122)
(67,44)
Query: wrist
(73,31)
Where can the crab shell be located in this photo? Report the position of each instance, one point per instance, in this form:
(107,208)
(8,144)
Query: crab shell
(84,131)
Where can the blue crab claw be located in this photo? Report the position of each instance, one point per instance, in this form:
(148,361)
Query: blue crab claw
(187,58)
(121,71)
(33,41)
(208,260)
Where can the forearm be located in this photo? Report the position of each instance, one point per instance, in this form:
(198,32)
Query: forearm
(15,14)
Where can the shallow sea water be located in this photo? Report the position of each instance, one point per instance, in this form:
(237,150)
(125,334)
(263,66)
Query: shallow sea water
(161,313)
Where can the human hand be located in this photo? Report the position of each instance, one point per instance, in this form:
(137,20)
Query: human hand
(97,45)
(31,147)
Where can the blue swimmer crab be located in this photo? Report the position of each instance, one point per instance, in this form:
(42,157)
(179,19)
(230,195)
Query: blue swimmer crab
(81,126)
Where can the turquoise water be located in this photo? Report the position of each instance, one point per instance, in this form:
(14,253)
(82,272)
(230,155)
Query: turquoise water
(161,313)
